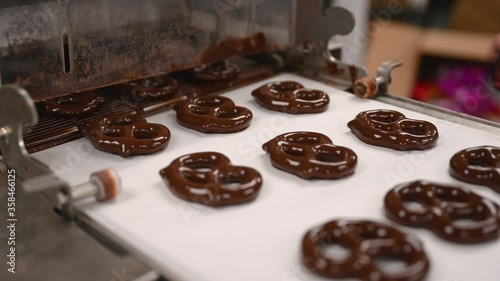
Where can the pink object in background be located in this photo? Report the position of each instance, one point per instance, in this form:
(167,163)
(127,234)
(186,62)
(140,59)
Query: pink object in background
(469,89)
(496,75)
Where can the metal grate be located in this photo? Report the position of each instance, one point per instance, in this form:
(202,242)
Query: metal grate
(54,130)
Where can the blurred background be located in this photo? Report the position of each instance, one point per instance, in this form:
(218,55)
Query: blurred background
(447,47)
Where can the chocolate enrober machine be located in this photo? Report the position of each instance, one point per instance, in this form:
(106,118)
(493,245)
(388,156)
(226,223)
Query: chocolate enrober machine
(56,48)
(77,46)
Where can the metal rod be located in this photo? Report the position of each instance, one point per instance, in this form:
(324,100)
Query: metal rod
(83,190)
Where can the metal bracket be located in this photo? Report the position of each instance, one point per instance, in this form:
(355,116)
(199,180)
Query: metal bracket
(313,22)
(17,116)
(384,74)
(342,73)
(313,26)
(367,86)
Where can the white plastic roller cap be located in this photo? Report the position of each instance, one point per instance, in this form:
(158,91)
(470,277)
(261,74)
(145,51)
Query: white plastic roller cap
(108,183)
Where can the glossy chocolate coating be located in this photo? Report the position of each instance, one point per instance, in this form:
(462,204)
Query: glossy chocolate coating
(74,105)
(213,114)
(216,72)
(478,165)
(159,87)
(441,209)
(209,178)
(310,155)
(366,240)
(391,129)
(291,97)
(127,135)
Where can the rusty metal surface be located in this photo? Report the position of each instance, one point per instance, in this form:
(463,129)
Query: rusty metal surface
(56,47)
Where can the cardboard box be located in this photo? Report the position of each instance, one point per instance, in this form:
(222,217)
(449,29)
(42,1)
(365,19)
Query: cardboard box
(477,16)
(408,43)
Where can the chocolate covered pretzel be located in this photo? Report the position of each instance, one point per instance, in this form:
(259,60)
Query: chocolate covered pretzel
(391,129)
(443,209)
(74,105)
(310,155)
(127,135)
(159,87)
(367,241)
(291,97)
(216,72)
(478,165)
(209,178)
(213,114)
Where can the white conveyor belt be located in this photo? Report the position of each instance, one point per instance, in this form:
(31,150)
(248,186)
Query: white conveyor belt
(261,241)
